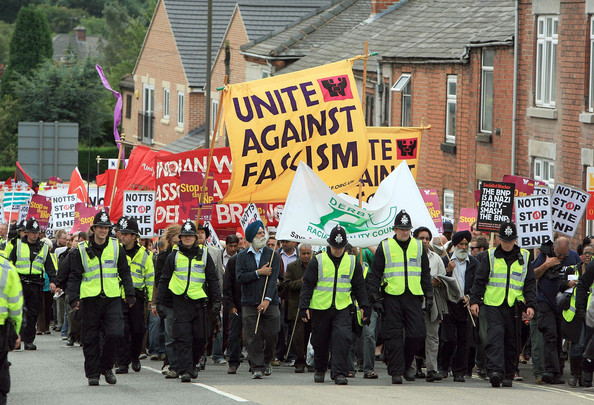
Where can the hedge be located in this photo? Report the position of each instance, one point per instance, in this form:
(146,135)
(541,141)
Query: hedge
(83,159)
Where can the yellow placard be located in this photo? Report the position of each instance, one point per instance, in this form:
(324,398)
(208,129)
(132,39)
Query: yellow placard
(313,116)
(388,147)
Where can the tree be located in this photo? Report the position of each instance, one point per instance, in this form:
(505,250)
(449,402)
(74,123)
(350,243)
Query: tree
(5,33)
(30,45)
(10,8)
(9,120)
(59,92)
(61,19)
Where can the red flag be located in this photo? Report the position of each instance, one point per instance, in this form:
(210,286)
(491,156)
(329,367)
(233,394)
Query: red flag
(20,175)
(117,205)
(77,186)
(107,179)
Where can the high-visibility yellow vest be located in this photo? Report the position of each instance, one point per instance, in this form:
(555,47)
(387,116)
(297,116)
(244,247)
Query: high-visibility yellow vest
(142,271)
(189,275)
(569,314)
(397,272)
(11,295)
(100,275)
(359,319)
(328,276)
(23,262)
(498,285)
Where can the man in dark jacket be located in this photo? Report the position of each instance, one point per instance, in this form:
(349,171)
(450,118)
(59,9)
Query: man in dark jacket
(292,286)
(257,271)
(462,266)
(232,306)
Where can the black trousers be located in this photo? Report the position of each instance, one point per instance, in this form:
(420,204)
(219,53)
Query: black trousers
(300,339)
(454,333)
(190,328)
(332,327)
(500,344)
(4,377)
(260,345)
(134,327)
(100,315)
(549,324)
(402,312)
(32,305)
(234,343)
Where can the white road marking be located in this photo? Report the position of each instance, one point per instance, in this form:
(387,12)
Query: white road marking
(208,387)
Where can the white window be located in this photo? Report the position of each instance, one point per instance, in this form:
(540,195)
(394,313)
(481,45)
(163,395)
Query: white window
(213,115)
(401,82)
(546,60)
(451,89)
(148,114)
(406,106)
(265,74)
(591,103)
(166,104)
(544,170)
(180,109)
(448,203)
(487,90)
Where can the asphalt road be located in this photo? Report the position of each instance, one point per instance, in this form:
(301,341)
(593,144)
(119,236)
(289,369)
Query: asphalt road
(54,374)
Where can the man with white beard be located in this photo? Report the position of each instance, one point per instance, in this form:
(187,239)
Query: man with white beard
(257,270)
(462,266)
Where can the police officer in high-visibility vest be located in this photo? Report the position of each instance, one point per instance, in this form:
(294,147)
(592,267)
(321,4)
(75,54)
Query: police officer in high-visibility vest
(404,265)
(143,275)
(11,316)
(325,301)
(189,276)
(503,278)
(99,267)
(32,258)
(583,300)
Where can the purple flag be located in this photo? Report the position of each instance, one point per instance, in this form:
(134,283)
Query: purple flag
(117,112)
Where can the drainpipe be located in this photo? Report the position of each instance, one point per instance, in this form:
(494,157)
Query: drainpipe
(515,93)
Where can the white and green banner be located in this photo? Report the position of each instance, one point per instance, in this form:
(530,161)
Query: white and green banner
(313,209)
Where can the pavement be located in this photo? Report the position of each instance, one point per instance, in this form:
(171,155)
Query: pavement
(54,374)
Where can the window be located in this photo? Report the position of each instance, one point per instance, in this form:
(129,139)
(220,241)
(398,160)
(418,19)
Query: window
(166,104)
(148,116)
(487,90)
(591,103)
(451,109)
(213,115)
(546,60)
(544,170)
(448,203)
(401,82)
(128,105)
(180,109)
(369,110)
(406,106)
(264,74)
(386,107)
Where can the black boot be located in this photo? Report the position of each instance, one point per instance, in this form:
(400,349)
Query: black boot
(575,367)
(586,378)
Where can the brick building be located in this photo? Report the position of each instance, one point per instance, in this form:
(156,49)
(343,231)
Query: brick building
(167,105)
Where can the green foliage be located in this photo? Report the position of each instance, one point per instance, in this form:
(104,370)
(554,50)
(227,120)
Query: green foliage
(10,116)
(10,8)
(6,172)
(30,45)
(61,19)
(95,26)
(5,34)
(105,151)
(94,7)
(65,93)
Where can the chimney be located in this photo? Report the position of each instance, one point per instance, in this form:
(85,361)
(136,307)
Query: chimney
(377,6)
(80,33)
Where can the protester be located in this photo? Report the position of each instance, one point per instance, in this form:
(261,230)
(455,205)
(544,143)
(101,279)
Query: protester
(232,305)
(478,244)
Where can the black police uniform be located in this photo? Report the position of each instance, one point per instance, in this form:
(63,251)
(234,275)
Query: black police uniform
(101,315)
(401,312)
(191,316)
(332,327)
(32,284)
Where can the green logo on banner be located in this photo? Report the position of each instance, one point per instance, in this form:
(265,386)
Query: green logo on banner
(352,219)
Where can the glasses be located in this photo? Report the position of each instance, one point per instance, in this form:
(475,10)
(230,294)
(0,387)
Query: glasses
(424,238)
(587,253)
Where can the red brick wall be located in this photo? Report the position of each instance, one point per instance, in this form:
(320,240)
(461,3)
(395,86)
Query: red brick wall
(377,6)
(159,60)
(441,170)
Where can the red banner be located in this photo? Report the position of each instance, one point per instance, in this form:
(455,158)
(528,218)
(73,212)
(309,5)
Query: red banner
(40,209)
(83,218)
(432,202)
(524,186)
(190,191)
(467,218)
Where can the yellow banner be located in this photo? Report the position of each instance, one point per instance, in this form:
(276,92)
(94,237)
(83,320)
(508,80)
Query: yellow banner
(313,116)
(388,147)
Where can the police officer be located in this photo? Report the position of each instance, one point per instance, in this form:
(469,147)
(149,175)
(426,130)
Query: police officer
(404,265)
(98,266)
(31,257)
(325,300)
(188,274)
(143,275)
(11,309)
(502,279)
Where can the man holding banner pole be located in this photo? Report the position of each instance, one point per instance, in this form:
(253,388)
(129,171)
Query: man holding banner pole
(404,265)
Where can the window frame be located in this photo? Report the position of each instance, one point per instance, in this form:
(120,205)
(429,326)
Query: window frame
(406,105)
(546,60)
(448,194)
(166,103)
(485,72)
(542,165)
(591,95)
(181,102)
(451,99)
